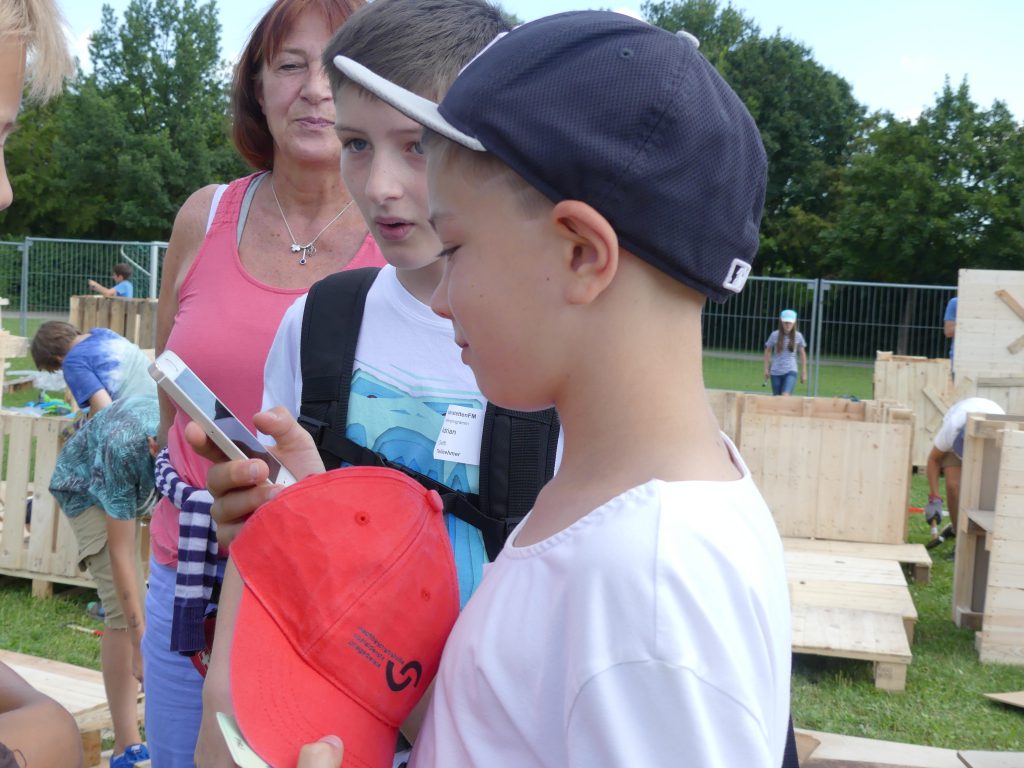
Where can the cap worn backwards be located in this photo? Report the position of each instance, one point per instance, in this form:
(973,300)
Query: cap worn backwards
(629,118)
(349,592)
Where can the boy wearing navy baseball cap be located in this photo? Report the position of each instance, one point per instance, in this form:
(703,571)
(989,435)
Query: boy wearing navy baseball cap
(593,181)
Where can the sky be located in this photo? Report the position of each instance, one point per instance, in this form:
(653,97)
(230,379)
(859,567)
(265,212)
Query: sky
(894,53)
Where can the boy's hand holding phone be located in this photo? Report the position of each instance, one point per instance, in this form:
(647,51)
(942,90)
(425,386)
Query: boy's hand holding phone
(240,487)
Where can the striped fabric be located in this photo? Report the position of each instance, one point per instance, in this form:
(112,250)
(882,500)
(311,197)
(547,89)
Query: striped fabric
(197,557)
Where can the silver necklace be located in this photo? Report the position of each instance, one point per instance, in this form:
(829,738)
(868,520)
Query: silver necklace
(309,248)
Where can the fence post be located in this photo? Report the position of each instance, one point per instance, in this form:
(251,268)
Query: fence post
(23,304)
(154,266)
(816,323)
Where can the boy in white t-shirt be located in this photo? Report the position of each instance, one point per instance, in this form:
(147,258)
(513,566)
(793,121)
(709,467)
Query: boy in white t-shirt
(593,181)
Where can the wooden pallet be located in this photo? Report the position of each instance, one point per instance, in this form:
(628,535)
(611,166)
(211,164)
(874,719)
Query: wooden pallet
(852,634)
(852,608)
(912,556)
(46,551)
(135,319)
(77,689)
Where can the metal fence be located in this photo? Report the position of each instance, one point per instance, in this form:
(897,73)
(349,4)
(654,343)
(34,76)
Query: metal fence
(39,275)
(844,323)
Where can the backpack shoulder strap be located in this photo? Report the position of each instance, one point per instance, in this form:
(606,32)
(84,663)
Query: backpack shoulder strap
(517,457)
(330,331)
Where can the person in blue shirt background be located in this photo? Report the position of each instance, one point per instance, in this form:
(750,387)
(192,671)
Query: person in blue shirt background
(949,324)
(122,288)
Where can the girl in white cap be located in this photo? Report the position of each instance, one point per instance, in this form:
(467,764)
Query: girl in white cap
(780,351)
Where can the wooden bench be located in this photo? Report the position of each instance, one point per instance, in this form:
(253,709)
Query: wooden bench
(77,689)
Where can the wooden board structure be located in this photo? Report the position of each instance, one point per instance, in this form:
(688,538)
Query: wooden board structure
(989,358)
(922,384)
(988,575)
(45,551)
(830,468)
(852,608)
(913,556)
(135,319)
(77,689)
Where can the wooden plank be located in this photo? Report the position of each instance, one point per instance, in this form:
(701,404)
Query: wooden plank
(76,688)
(826,566)
(1015,699)
(986,329)
(914,554)
(850,634)
(19,430)
(829,478)
(834,748)
(984,519)
(975,759)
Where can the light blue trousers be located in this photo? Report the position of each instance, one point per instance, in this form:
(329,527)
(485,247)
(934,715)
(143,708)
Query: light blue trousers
(174,689)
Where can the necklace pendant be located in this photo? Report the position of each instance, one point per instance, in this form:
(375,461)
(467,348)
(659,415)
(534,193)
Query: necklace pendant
(296,247)
(303,259)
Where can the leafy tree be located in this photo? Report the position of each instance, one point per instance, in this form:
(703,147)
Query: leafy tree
(132,139)
(922,199)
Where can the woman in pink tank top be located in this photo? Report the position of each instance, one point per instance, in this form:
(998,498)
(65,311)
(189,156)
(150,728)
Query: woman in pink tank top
(237,258)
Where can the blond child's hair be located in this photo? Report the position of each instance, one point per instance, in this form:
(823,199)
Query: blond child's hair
(42,27)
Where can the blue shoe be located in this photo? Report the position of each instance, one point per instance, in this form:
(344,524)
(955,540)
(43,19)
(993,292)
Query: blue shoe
(136,753)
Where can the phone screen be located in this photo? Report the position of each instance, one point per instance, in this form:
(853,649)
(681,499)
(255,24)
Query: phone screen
(219,414)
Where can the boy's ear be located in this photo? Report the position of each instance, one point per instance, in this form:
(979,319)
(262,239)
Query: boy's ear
(593,255)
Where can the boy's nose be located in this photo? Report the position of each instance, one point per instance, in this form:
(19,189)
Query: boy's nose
(383,182)
(439,299)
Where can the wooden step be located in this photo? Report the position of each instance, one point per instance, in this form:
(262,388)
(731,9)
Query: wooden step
(855,634)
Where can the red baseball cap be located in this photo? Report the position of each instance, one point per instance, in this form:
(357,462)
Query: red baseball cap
(350,593)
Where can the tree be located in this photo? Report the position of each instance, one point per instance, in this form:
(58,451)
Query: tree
(922,199)
(132,139)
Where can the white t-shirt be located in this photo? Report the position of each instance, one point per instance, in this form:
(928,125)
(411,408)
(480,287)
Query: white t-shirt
(407,371)
(956,417)
(654,631)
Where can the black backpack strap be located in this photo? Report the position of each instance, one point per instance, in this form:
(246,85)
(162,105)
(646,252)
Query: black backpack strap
(517,456)
(330,331)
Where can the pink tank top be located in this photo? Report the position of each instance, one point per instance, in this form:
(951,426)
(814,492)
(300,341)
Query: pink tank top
(223,330)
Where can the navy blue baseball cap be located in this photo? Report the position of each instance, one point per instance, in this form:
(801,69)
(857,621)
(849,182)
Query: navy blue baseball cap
(629,118)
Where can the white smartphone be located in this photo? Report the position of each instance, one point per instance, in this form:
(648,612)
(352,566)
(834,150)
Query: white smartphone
(217,421)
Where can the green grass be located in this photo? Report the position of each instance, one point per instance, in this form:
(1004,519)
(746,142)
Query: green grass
(12,324)
(37,627)
(747,376)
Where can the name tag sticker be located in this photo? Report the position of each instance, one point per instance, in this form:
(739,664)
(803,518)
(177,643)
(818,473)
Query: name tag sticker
(460,436)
